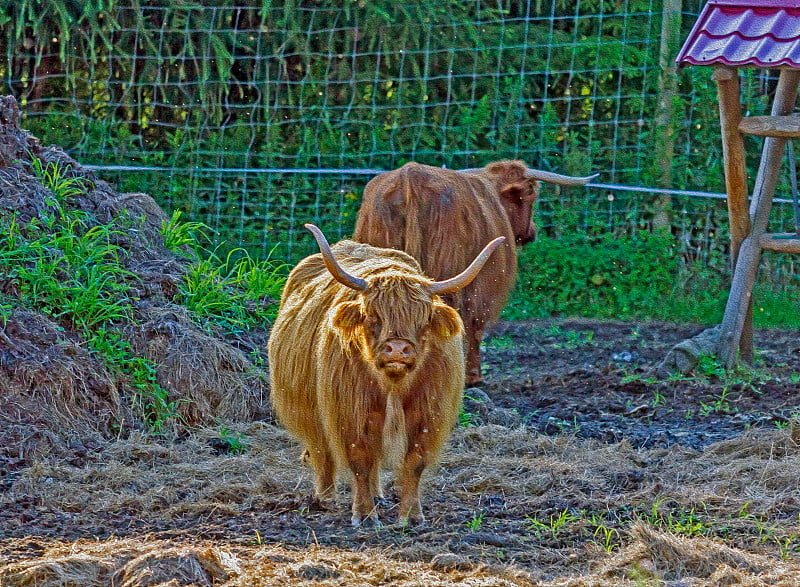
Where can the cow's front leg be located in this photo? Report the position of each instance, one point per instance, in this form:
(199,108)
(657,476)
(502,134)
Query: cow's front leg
(411,472)
(363,465)
(422,438)
(473,335)
(364,458)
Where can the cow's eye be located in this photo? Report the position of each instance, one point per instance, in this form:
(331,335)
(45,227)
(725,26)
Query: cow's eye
(373,320)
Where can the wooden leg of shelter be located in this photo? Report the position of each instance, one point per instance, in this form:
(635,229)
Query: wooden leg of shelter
(730,115)
(733,153)
(736,331)
(738,309)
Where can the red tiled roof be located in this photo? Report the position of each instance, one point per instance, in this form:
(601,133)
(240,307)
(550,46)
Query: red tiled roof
(760,33)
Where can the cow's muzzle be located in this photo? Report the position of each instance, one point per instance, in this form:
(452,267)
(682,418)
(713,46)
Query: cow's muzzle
(528,237)
(396,358)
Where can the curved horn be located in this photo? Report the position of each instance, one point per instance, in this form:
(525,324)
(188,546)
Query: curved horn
(332,264)
(558,178)
(544,176)
(464,278)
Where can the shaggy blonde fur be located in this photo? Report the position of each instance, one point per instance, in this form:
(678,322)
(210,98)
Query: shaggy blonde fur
(327,390)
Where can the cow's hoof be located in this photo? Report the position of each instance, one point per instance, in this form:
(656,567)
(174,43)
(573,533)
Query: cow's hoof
(370,521)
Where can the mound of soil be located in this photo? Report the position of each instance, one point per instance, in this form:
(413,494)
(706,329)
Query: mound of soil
(54,392)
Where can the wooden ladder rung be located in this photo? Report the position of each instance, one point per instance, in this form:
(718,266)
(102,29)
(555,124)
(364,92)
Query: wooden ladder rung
(787,127)
(780,242)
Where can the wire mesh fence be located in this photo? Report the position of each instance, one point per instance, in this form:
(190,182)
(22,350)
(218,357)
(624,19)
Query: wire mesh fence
(258,117)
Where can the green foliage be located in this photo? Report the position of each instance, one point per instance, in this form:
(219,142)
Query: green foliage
(235,293)
(66,266)
(607,276)
(632,277)
(465,418)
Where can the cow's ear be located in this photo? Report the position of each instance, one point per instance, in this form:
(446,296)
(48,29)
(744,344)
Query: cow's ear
(514,194)
(348,316)
(445,321)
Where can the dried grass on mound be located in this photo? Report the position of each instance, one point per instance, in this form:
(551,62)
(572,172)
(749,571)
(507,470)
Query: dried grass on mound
(210,378)
(47,373)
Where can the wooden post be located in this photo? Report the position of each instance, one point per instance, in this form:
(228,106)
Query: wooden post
(664,127)
(772,153)
(730,115)
(737,310)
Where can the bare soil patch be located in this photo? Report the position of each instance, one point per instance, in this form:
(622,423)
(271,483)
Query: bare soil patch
(577,469)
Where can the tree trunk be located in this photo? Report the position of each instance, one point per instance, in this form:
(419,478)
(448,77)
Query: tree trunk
(667,90)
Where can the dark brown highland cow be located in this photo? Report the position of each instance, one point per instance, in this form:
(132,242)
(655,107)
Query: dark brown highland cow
(366,365)
(441,216)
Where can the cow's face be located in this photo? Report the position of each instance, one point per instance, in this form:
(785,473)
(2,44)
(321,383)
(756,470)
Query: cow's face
(393,323)
(518,200)
(518,193)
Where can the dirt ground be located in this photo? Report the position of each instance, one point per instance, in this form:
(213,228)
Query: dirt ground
(574,465)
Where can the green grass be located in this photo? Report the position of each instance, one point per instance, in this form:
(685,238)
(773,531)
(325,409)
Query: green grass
(234,293)
(641,278)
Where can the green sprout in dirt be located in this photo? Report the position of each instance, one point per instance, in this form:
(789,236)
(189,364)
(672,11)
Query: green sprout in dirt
(62,187)
(676,520)
(180,235)
(234,442)
(552,527)
(467,419)
(150,397)
(709,366)
(476,522)
(609,537)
